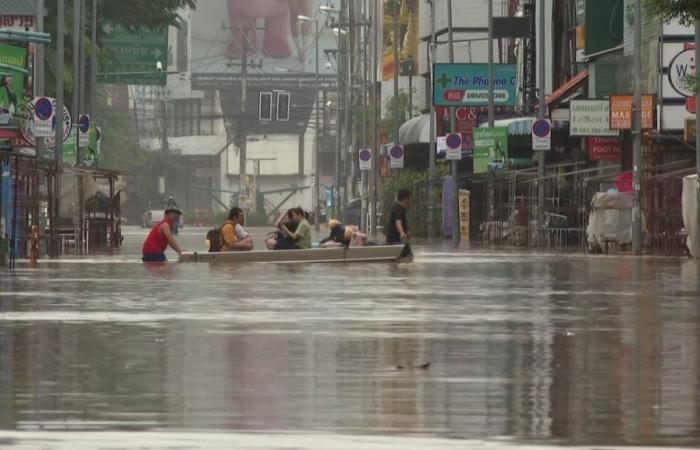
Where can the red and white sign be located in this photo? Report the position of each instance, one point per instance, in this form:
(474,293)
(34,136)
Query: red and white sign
(691,105)
(604,149)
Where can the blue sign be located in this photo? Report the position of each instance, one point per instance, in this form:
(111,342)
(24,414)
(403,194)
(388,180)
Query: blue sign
(541,128)
(468,84)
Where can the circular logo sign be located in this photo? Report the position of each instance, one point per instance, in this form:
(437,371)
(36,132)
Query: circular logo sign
(365,155)
(541,128)
(84,123)
(453,141)
(43,108)
(682,65)
(27,123)
(396,151)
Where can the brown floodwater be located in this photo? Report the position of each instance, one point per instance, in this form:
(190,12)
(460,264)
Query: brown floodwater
(522,349)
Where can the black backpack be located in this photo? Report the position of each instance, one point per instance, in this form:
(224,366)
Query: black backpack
(214,239)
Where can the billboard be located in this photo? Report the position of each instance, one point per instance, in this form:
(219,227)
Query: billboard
(468,84)
(491,149)
(13,61)
(407,41)
(267,31)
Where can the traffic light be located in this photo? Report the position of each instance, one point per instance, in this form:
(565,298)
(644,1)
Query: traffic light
(283,105)
(265,106)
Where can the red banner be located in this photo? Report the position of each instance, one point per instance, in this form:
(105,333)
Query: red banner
(604,149)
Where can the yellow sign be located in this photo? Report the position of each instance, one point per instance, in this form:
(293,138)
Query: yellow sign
(689,131)
(464,214)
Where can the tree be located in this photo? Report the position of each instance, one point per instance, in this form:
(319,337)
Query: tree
(687,12)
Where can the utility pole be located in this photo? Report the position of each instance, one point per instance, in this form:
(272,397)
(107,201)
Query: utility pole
(317,150)
(93,63)
(432,149)
(456,237)
(77,72)
(243,134)
(375,119)
(58,149)
(637,133)
(347,128)
(491,108)
(696,238)
(365,113)
(397,100)
(541,200)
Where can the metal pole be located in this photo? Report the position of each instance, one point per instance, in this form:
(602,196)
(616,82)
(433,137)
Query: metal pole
(338,141)
(75,107)
(696,239)
(492,108)
(541,200)
(243,135)
(347,141)
(39,71)
(317,150)
(432,149)
(58,138)
(637,132)
(397,111)
(375,112)
(456,237)
(93,62)
(365,114)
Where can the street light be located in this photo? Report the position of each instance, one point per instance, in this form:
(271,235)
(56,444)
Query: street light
(317,169)
(328,9)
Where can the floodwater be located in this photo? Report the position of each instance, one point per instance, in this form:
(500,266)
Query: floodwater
(524,351)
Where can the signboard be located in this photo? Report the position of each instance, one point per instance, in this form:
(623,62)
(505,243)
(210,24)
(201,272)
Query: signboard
(604,149)
(681,67)
(621,107)
(441,145)
(396,153)
(453,144)
(464,214)
(84,130)
(42,120)
(132,56)
(468,84)
(689,131)
(490,149)
(365,159)
(222,30)
(11,82)
(541,134)
(691,104)
(69,147)
(26,128)
(590,118)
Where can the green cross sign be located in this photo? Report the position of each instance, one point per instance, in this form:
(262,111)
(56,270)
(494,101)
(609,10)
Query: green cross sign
(444,80)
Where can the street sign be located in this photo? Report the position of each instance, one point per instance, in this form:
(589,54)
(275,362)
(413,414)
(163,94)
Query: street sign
(682,66)
(132,56)
(541,134)
(396,153)
(84,130)
(27,125)
(43,118)
(468,84)
(453,142)
(365,156)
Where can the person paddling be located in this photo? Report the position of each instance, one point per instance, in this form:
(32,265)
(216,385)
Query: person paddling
(161,236)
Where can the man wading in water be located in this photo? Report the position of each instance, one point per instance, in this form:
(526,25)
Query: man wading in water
(161,236)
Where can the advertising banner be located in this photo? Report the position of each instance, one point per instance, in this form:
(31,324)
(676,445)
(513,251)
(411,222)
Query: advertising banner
(604,149)
(14,61)
(468,84)
(266,30)
(490,149)
(621,107)
(407,38)
(591,118)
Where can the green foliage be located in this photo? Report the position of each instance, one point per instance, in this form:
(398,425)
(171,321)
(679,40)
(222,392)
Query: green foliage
(685,11)
(387,124)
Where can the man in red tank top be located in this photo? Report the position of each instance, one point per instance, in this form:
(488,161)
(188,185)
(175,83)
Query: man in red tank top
(161,236)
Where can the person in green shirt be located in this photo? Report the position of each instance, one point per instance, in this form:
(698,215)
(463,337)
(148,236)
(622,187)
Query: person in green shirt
(302,235)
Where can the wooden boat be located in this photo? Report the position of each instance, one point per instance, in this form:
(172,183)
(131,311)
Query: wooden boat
(381,253)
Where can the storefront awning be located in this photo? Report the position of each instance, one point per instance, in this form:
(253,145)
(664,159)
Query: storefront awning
(566,88)
(415,131)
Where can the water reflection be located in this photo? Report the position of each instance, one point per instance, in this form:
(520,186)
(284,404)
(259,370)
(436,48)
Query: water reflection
(573,350)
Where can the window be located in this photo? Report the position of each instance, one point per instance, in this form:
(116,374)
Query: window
(265,106)
(283,106)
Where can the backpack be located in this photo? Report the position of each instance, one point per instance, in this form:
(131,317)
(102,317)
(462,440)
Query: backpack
(214,240)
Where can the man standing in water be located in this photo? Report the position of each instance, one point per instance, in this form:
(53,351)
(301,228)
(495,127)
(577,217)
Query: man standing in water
(397,231)
(161,236)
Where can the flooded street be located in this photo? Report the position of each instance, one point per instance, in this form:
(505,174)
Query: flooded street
(506,347)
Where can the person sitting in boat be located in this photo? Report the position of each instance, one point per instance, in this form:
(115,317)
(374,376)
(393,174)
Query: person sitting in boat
(340,235)
(233,236)
(161,236)
(301,237)
(278,240)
